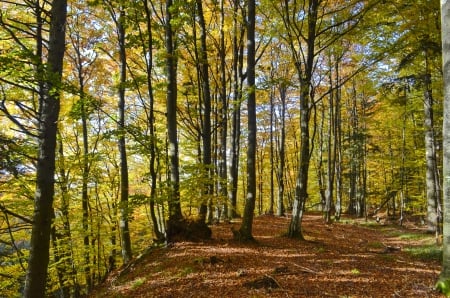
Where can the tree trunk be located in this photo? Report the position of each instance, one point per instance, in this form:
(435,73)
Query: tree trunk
(223,115)
(282,152)
(338,160)
(301,193)
(331,155)
(430,156)
(272,153)
(305,76)
(445,20)
(45,168)
(148,54)
(62,239)
(124,187)
(206,133)
(175,214)
(245,231)
(238,50)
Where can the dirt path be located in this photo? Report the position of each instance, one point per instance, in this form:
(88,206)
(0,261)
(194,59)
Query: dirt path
(339,260)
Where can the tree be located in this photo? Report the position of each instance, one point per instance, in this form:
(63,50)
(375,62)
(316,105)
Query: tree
(238,76)
(124,183)
(45,168)
(223,114)
(175,214)
(206,94)
(148,54)
(245,231)
(305,73)
(444,278)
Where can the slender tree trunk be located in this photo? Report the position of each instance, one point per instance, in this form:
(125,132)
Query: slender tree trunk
(272,153)
(338,159)
(124,184)
(206,133)
(353,207)
(305,76)
(175,214)
(331,156)
(430,156)
(320,148)
(85,168)
(148,54)
(245,231)
(282,153)
(236,117)
(45,168)
(223,114)
(445,20)
(62,239)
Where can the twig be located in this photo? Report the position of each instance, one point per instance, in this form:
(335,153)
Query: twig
(305,269)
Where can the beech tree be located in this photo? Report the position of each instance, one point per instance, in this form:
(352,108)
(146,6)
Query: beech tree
(245,231)
(444,278)
(49,105)
(237,82)
(175,214)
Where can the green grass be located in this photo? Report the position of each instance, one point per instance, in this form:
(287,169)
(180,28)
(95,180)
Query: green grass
(409,236)
(429,252)
(376,244)
(185,271)
(137,283)
(414,236)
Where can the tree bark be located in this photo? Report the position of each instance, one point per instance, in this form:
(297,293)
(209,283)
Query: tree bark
(45,169)
(223,114)
(445,27)
(245,231)
(148,54)
(206,133)
(430,156)
(124,183)
(305,76)
(282,152)
(238,50)
(175,214)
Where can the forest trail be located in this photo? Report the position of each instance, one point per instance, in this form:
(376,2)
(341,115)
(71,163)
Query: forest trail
(348,259)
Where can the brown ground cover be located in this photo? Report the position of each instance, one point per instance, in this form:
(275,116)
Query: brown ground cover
(348,259)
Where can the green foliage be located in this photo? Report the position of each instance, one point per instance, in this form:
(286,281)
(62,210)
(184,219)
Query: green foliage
(443,286)
(425,252)
(183,272)
(84,107)
(137,282)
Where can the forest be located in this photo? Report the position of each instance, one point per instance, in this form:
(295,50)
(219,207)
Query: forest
(129,125)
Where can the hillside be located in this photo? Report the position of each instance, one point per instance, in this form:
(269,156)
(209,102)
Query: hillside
(348,259)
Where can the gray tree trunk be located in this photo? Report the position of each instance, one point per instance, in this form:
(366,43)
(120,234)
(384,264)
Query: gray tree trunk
(45,169)
(430,157)
(124,184)
(148,54)
(245,231)
(238,50)
(272,153)
(206,133)
(175,214)
(223,115)
(305,76)
(445,20)
(282,152)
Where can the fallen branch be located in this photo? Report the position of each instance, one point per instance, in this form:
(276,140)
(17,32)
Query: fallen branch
(305,269)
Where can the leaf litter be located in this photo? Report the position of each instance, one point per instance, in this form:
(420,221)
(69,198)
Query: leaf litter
(347,259)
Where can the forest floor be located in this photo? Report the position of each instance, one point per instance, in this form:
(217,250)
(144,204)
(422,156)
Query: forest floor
(353,258)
